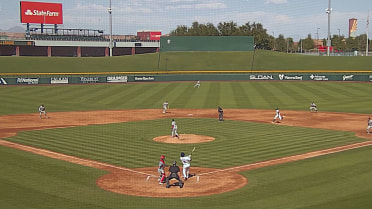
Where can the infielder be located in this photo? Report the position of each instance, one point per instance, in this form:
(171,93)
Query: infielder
(313,107)
(197,84)
(186,160)
(174,129)
(369,124)
(42,110)
(165,106)
(220,113)
(277,115)
(161,171)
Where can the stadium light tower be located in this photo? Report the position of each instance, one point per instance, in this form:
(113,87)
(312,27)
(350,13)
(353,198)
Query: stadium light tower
(110,18)
(328,11)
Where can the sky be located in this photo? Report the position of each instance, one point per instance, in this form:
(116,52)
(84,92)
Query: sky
(290,18)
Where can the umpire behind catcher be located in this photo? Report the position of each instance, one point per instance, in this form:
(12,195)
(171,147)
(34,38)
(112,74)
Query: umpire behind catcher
(174,170)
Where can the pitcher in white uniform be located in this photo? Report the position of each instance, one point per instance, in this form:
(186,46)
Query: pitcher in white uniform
(174,129)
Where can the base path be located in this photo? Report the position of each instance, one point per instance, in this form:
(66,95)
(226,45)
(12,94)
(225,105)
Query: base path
(207,181)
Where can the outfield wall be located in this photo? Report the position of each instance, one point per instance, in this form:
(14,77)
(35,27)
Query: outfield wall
(206,43)
(34,79)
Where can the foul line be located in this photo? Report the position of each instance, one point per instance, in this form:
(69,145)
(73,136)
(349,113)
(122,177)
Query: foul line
(44,152)
(294,157)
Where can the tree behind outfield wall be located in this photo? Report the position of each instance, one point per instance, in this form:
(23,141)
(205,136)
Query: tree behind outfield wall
(262,39)
(308,43)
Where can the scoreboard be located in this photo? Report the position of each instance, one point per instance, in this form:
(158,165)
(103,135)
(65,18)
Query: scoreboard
(16,43)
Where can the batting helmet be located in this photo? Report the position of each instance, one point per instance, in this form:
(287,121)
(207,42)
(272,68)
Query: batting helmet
(182,154)
(162,157)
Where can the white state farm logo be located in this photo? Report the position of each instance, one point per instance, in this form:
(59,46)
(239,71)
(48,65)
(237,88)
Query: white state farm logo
(41,13)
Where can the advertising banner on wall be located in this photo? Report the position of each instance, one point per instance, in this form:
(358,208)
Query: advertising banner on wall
(41,12)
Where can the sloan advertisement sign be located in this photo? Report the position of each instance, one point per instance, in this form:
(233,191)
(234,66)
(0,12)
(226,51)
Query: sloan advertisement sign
(41,12)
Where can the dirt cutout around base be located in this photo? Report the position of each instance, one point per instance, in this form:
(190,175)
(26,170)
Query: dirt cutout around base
(206,181)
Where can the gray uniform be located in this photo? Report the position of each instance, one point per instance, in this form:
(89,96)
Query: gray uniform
(369,125)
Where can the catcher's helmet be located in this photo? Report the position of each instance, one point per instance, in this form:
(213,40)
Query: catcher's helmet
(174,162)
(162,157)
(182,154)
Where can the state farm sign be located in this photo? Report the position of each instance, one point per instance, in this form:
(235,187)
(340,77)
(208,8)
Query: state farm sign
(41,12)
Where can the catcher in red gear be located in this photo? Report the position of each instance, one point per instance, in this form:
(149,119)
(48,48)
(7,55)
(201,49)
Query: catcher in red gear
(161,166)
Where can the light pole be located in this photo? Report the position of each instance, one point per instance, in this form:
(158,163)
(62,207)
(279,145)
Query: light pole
(110,19)
(367,46)
(339,33)
(317,39)
(328,11)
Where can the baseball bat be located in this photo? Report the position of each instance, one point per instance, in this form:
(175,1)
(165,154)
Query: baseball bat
(193,150)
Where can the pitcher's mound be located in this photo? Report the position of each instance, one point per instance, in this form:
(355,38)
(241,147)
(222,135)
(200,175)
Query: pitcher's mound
(184,139)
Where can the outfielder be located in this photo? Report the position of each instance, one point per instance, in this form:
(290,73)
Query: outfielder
(277,115)
(313,107)
(186,160)
(197,84)
(174,129)
(165,106)
(42,110)
(369,124)
(161,166)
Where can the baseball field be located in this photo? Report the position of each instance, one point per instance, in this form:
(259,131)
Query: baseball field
(97,148)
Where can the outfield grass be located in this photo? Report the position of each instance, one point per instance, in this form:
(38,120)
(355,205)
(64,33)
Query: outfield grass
(330,96)
(186,61)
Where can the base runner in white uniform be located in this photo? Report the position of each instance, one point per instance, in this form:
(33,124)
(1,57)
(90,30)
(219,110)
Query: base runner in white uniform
(369,124)
(186,160)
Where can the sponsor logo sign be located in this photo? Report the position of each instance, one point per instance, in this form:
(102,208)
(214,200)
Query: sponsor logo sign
(370,77)
(318,77)
(117,79)
(89,79)
(347,77)
(290,77)
(63,80)
(144,78)
(41,12)
(3,81)
(28,80)
(261,77)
